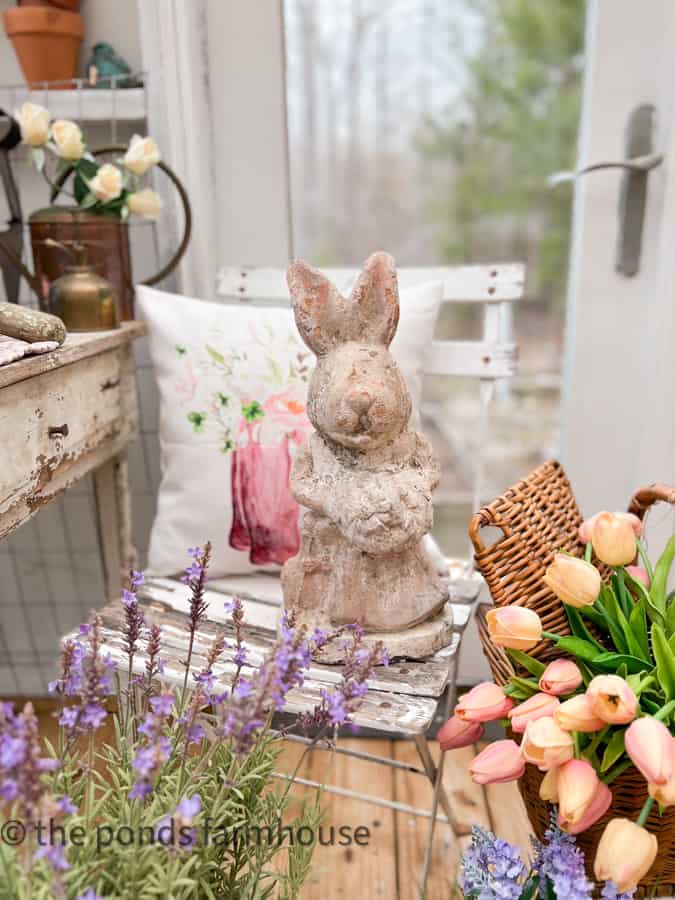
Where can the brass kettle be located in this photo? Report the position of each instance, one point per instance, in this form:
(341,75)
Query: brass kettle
(81,298)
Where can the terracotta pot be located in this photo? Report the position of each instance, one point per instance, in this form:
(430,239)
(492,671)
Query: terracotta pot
(46,42)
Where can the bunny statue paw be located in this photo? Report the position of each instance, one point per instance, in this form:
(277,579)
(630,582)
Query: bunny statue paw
(364,477)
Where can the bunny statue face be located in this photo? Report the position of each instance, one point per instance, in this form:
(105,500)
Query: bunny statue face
(357,396)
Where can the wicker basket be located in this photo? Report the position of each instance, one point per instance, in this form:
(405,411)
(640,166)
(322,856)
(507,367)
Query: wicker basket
(537,517)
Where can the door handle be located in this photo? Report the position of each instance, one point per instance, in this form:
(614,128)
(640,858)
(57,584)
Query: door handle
(639,162)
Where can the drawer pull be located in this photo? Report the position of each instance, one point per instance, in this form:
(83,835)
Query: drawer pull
(58,431)
(110,383)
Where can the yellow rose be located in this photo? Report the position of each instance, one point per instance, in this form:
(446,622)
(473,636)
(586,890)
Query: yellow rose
(146,203)
(141,155)
(34,123)
(107,185)
(68,140)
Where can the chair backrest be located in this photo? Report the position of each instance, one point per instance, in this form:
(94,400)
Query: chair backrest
(494,287)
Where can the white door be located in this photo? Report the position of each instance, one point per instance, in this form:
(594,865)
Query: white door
(619,404)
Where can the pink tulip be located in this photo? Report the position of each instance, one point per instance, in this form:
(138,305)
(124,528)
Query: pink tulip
(533,708)
(612,699)
(548,789)
(577,785)
(515,627)
(562,676)
(500,761)
(625,854)
(586,528)
(613,539)
(458,733)
(650,746)
(484,703)
(546,745)
(599,805)
(665,793)
(639,573)
(576,714)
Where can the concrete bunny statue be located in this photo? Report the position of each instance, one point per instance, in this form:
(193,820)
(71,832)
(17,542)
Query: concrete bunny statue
(364,477)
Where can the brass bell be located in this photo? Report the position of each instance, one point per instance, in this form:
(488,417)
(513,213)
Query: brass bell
(81,298)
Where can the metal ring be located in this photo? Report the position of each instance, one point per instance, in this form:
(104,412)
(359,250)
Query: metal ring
(182,193)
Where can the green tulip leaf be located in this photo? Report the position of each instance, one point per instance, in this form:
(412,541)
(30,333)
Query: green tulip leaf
(638,627)
(670,619)
(655,611)
(610,606)
(527,685)
(531,665)
(578,647)
(594,615)
(659,585)
(579,628)
(615,748)
(612,662)
(665,661)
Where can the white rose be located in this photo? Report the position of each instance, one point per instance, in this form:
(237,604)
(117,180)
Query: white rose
(146,203)
(34,123)
(107,184)
(141,155)
(68,139)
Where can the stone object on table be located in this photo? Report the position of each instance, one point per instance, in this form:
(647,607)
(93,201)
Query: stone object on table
(30,325)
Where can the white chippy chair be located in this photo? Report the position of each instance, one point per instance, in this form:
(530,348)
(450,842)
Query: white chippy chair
(403,698)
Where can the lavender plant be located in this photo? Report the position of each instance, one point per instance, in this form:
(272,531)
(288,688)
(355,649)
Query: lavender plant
(178,800)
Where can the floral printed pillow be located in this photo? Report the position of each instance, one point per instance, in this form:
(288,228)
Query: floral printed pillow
(233,384)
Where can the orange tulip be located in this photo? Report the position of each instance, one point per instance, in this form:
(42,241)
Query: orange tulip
(612,699)
(546,745)
(586,528)
(650,746)
(574,581)
(515,627)
(613,539)
(664,793)
(576,714)
(562,676)
(548,789)
(484,703)
(458,733)
(577,785)
(625,854)
(601,802)
(533,708)
(500,761)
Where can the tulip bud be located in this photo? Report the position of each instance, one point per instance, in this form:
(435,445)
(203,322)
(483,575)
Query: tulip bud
(576,714)
(577,784)
(515,627)
(562,676)
(651,748)
(548,789)
(546,745)
(484,703)
(625,854)
(639,573)
(574,581)
(457,733)
(601,802)
(665,793)
(612,699)
(533,708)
(500,761)
(613,540)
(586,528)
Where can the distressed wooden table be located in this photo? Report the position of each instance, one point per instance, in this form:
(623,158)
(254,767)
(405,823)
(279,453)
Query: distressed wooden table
(64,415)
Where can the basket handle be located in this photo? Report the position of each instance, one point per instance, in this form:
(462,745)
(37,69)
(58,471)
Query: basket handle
(483,519)
(648,496)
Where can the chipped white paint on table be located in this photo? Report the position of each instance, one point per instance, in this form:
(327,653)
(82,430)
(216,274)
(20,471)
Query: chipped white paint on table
(64,415)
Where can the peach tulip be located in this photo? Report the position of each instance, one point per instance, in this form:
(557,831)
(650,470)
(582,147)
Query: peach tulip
(665,793)
(586,528)
(548,789)
(650,746)
(625,854)
(601,802)
(574,581)
(546,745)
(533,708)
(484,703)
(458,733)
(576,714)
(612,699)
(515,627)
(639,573)
(562,676)
(613,539)
(500,761)
(577,785)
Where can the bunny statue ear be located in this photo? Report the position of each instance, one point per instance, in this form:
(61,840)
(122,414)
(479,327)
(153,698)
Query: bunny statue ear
(374,300)
(320,310)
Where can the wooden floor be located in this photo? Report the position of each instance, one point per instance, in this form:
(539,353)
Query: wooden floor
(388,867)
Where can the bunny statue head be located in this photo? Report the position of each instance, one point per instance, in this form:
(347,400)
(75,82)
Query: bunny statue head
(357,397)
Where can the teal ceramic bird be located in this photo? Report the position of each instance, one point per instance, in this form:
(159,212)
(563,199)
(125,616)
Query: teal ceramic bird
(106,64)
